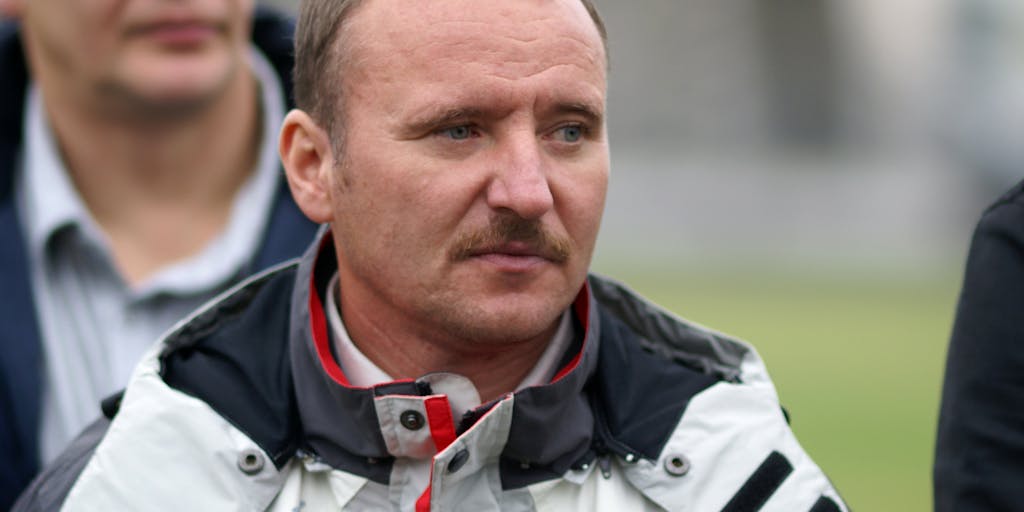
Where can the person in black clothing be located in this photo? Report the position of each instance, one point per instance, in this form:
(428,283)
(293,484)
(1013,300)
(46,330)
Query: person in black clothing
(979,456)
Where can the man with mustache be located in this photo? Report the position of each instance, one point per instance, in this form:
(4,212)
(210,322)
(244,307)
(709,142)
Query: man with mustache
(138,179)
(441,346)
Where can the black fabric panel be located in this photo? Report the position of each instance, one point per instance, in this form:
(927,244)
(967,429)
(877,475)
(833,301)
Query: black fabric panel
(639,396)
(636,399)
(553,425)
(825,504)
(111,404)
(515,475)
(397,388)
(49,490)
(339,423)
(546,445)
(980,441)
(237,361)
(761,485)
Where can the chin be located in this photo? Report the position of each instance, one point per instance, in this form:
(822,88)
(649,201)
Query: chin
(183,84)
(507,324)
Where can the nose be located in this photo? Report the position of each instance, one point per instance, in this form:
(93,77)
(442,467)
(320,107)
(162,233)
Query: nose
(520,181)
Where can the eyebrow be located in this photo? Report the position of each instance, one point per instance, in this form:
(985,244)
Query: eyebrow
(592,114)
(441,117)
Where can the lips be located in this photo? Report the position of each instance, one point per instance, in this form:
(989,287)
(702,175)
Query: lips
(515,256)
(510,250)
(177,33)
(512,260)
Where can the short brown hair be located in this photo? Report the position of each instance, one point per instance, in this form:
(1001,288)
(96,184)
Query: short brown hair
(316,58)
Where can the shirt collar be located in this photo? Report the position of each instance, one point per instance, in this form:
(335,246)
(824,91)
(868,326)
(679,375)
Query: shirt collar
(361,372)
(48,200)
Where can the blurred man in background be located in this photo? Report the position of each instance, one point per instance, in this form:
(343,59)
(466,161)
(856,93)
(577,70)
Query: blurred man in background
(441,347)
(138,179)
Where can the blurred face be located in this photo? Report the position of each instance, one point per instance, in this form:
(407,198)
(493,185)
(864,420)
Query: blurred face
(468,194)
(140,54)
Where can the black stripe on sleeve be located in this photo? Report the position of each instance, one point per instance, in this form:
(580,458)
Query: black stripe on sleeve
(825,504)
(761,485)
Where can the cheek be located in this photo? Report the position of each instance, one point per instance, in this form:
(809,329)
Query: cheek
(378,210)
(582,204)
(241,15)
(66,46)
(244,6)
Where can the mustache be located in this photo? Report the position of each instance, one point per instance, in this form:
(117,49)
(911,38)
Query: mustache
(506,229)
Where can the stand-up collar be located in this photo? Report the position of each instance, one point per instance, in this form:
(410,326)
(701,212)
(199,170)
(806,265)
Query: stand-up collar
(538,432)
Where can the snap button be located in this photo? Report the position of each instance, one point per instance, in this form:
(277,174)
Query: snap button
(677,465)
(411,420)
(250,461)
(458,460)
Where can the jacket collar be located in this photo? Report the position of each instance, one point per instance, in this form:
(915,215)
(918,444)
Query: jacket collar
(623,397)
(349,427)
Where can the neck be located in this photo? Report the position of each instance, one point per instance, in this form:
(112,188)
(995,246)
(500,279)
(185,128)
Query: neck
(160,188)
(408,352)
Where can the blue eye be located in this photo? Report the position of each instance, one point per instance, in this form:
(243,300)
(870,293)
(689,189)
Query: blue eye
(461,132)
(572,133)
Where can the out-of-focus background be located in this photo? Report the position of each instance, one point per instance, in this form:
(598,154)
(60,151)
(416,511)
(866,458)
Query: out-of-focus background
(805,175)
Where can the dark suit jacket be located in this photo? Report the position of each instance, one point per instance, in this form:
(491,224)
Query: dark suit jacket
(979,457)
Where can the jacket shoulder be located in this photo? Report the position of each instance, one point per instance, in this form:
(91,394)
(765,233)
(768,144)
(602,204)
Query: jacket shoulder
(170,427)
(238,347)
(158,410)
(733,450)
(661,332)
(713,434)
(1003,218)
(50,488)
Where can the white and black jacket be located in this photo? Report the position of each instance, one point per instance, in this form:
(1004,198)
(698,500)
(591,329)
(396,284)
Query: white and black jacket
(242,407)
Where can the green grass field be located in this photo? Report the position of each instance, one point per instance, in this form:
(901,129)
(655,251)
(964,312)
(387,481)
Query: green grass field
(857,361)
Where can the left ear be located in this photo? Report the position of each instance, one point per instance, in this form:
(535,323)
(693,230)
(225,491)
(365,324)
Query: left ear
(308,160)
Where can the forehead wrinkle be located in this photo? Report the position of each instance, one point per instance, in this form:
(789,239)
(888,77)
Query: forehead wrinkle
(514,40)
(507,63)
(434,34)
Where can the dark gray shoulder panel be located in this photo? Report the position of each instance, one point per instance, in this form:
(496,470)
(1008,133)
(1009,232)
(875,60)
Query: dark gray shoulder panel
(662,333)
(50,488)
